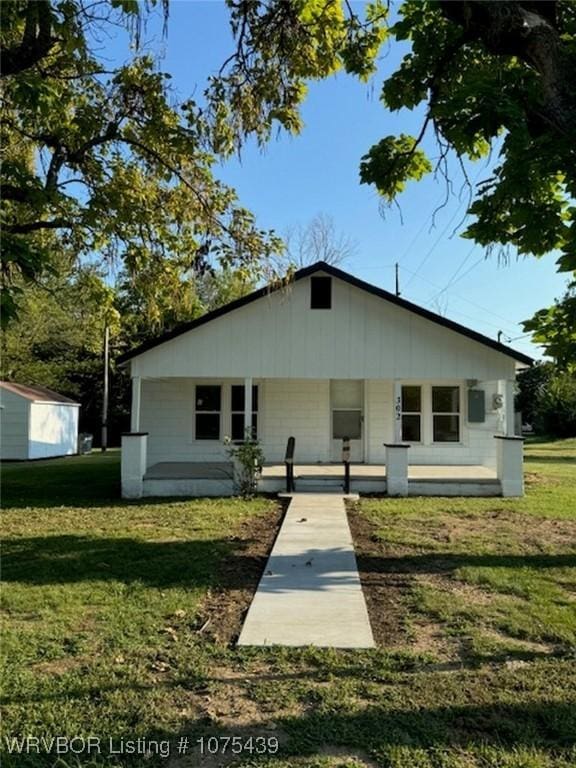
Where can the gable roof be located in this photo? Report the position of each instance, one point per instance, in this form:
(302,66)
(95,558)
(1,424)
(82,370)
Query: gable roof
(322,266)
(36,394)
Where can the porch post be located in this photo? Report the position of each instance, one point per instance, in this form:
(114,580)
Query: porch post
(136,397)
(248,405)
(397,412)
(509,407)
(396,469)
(134,449)
(510,452)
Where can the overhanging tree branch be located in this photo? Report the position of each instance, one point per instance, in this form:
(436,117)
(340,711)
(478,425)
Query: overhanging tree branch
(37,40)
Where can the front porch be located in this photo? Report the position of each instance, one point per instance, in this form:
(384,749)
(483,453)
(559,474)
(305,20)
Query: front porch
(447,437)
(217,479)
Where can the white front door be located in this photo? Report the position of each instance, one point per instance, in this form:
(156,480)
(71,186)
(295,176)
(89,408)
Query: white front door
(347,417)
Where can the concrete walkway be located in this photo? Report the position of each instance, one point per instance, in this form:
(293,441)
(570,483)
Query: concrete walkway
(310,593)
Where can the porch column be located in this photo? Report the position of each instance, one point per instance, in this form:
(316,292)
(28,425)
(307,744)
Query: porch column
(136,397)
(134,449)
(509,407)
(247,405)
(397,412)
(510,455)
(396,469)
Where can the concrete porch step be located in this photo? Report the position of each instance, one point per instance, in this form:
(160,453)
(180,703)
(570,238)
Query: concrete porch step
(306,488)
(319,484)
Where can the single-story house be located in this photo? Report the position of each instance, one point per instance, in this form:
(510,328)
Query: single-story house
(36,423)
(428,404)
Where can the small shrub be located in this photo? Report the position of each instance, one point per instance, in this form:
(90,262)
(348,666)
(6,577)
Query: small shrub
(248,458)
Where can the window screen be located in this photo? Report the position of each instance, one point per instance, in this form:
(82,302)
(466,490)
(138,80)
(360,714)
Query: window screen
(320,293)
(346,424)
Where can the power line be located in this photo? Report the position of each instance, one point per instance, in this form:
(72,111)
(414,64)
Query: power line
(469,301)
(509,323)
(438,239)
(461,266)
(417,235)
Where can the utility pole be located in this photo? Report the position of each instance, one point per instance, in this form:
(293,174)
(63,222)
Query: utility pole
(397,281)
(106,388)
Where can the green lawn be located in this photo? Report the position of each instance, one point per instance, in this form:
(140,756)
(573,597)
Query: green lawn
(105,601)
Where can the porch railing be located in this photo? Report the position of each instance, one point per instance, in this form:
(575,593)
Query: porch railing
(289,464)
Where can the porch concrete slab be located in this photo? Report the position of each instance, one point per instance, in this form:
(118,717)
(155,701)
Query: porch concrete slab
(310,592)
(456,472)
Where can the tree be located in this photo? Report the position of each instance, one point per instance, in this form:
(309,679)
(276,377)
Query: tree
(58,341)
(555,329)
(319,240)
(152,303)
(547,391)
(491,76)
(532,385)
(547,400)
(104,159)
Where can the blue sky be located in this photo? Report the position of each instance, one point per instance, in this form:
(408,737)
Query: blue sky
(295,178)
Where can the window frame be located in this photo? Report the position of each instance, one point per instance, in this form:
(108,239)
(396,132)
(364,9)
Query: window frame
(457,413)
(419,413)
(233,412)
(203,412)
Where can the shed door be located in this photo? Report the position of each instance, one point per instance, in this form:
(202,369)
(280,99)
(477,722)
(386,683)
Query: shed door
(347,417)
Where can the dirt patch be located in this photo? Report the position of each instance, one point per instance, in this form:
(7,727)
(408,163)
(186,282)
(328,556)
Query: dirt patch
(57,667)
(502,525)
(525,646)
(468,594)
(348,758)
(498,530)
(224,609)
(430,638)
(386,593)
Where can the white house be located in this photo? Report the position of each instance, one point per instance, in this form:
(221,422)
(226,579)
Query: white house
(427,404)
(36,423)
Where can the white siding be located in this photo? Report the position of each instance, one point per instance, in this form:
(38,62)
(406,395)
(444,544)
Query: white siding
(299,409)
(361,337)
(53,430)
(14,426)
(477,445)
(167,414)
(378,419)
(287,408)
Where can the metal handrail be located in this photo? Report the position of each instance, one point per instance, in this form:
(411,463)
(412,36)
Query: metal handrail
(289,463)
(346,462)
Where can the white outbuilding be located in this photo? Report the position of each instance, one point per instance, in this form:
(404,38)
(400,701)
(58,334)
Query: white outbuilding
(36,423)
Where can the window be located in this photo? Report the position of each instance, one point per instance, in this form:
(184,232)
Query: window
(411,414)
(320,293)
(446,414)
(237,409)
(208,406)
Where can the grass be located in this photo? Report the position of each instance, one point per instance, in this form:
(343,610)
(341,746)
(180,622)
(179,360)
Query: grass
(103,598)
(495,572)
